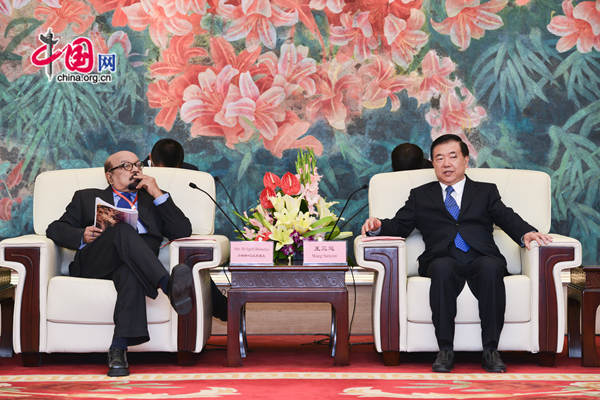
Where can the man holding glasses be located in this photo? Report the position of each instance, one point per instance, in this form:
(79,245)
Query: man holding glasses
(128,256)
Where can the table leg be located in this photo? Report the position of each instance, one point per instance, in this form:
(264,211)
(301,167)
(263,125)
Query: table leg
(342,348)
(590,300)
(333,332)
(6,349)
(234,310)
(574,323)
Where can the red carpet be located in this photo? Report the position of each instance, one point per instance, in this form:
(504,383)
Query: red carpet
(292,367)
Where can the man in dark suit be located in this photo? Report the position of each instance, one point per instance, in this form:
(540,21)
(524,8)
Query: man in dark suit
(169,153)
(455,215)
(126,255)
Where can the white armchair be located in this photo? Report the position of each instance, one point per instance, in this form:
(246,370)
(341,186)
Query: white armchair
(534,317)
(57,313)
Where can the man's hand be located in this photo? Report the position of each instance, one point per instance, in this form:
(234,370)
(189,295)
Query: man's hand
(540,238)
(148,183)
(91,233)
(371,224)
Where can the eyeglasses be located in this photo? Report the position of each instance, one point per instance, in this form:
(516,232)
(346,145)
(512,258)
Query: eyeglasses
(128,166)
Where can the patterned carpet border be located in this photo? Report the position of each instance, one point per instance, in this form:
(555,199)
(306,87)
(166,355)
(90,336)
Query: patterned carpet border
(302,376)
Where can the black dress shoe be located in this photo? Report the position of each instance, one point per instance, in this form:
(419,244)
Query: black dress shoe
(180,287)
(444,361)
(491,361)
(219,305)
(117,362)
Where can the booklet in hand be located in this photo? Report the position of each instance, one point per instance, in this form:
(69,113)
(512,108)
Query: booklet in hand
(108,215)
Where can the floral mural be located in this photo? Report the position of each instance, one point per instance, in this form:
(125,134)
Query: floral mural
(245,84)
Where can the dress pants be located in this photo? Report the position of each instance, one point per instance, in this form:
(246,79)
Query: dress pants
(125,257)
(485,277)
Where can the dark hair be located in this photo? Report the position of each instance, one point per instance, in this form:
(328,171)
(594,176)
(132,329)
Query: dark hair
(450,138)
(167,153)
(407,156)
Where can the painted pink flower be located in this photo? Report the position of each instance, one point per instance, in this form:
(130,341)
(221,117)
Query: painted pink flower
(355,33)
(6,208)
(455,114)
(380,83)
(204,106)
(522,2)
(72,12)
(15,176)
(103,46)
(168,96)
(7,6)
(468,19)
(257,111)
(335,6)
(119,18)
(175,59)
(404,36)
(223,54)
(338,88)
(255,21)
(160,21)
(580,26)
(290,135)
(436,74)
(292,70)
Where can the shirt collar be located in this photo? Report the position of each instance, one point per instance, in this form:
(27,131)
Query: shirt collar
(458,187)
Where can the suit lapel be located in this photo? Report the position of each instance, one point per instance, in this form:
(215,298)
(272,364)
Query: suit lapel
(437,197)
(467,197)
(107,195)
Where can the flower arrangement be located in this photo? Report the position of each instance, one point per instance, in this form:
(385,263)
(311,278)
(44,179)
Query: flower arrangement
(291,210)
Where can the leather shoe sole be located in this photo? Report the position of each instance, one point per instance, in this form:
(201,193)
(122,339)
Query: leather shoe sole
(180,289)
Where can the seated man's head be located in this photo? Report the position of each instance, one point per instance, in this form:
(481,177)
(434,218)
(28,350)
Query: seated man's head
(121,168)
(167,153)
(407,156)
(450,158)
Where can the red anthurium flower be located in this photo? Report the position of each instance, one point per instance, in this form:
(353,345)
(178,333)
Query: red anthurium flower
(271,181)
(290,184)
(263,237)
(264,198)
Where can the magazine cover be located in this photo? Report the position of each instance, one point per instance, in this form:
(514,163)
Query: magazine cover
(108,215)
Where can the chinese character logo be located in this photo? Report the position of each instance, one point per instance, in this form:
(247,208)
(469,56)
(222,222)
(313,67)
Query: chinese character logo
(107,61)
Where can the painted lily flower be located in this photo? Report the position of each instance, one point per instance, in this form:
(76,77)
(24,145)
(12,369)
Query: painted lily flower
(381,83)
(7,6)
(168,96)
(292,70)
(119,18)
(257,111)
(72,12)
(337,87)
(580,26)
(160,21)
(223,54)
(404,36)
(204,106)
(290,136)
(335,6)
(175,59)
(436,74)
(355,33)
(455,114)
(255,20)
(468,19)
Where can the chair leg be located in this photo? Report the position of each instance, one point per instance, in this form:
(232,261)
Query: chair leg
(547,358)
(574,328)
(391,358)
(185,358)
(31,359)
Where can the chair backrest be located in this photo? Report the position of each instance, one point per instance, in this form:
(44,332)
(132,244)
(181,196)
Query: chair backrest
(54,190)
(527,192)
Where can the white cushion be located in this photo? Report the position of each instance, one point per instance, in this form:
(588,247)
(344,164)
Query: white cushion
(63,183)
(92,301)
(518,299)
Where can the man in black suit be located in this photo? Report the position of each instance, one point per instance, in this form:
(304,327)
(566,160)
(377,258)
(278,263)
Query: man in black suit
(169,153)
(126,255)
(455,215)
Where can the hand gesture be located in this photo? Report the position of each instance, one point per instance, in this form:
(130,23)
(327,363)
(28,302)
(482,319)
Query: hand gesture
(371,224)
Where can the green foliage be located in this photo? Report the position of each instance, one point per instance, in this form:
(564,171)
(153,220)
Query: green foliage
(514,71)
(580,74)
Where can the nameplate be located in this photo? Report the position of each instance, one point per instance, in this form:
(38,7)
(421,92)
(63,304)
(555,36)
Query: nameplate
(324,252)
(251,253)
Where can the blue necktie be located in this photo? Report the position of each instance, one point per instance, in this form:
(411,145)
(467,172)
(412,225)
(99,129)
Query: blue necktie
(124,204)
(453,209)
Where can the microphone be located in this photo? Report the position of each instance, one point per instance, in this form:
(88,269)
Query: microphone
(353,216)
(344,208)
(194,186)
(218,180)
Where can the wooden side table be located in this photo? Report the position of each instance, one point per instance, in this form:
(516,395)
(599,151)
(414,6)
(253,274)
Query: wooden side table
(287,284)
(583,300)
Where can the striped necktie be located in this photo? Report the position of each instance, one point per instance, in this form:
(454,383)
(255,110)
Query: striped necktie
(453,209)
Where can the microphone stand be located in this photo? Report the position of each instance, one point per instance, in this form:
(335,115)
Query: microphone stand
(218,180)
(353,216)
(344,208)
(194,186)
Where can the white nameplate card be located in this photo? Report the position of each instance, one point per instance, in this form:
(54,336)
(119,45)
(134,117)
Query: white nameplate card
(251,253)
(324,252)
